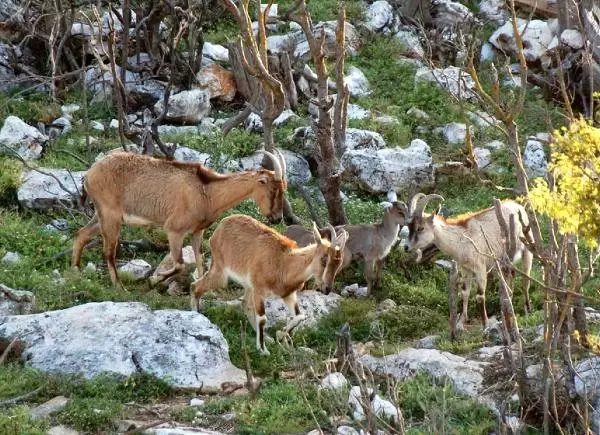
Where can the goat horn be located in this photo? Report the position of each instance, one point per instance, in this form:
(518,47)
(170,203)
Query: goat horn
(283,163)
(276,164)
(316,233)
(418,211)
(386,204)
(392,196)
(333,235)
(414,201)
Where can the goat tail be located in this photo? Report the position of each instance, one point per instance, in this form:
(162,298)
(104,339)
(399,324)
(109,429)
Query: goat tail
(83,196)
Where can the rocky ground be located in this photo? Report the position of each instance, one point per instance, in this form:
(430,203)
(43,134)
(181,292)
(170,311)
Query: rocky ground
(174,371)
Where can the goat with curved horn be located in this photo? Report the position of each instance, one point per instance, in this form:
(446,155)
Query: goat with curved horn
(276,164)
(283,163)
(333,235)
(412,203)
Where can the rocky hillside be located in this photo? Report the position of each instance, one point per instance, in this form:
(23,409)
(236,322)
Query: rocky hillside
(79,356)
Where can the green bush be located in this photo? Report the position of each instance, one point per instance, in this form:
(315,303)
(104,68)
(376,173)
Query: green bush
(10,179)
(17,420)
(91,414)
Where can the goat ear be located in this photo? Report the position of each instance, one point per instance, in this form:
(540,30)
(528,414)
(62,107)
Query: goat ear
(263,179)
(342,239)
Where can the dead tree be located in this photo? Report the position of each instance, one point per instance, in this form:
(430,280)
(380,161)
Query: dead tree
(330,134)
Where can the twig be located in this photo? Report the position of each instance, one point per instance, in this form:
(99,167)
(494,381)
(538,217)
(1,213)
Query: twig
(140,429)
(21,398)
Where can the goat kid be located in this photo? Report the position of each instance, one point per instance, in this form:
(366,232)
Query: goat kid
(264,261)
(180,197)
(370,243)
(473,241)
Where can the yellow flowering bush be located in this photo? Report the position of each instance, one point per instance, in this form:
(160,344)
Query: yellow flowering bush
(574,203)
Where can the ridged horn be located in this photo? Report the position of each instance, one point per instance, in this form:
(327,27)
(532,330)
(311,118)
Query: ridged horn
(333,235)
(283,163)
(276,164)
(413,202)
(420,208)
(316,233)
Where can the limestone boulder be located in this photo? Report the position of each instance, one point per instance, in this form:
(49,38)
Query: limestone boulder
(182,347)
(14,302)
(314,304)
(380,18)
(44,192)
(16,136)
(536,35)
(219,82)
(186,107)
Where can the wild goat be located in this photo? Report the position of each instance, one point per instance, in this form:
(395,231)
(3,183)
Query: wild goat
(263,261)
(466,240)
(368,242)
(181,197)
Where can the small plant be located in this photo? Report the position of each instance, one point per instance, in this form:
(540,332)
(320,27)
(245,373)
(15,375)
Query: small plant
(91,414)
(17,420)
(10,179)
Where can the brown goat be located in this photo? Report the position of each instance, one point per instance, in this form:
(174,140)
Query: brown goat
(180,197)
(263,261)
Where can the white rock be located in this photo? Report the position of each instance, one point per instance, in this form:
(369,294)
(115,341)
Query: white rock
(96,125)
(17,136)
(553,44)
(62,430)
(43,192)
(482,157)
(356,400)
(52,406)
(90,268)
(494,10)
(215,52)
(334,381)
(386,120)
(15,302)
(137,268)
(455,133)
(179,429)
(354,290)
(380,17)
(482,119)
(384,409)
(354,111)
(411,43)
(201,129)
(382,170)
(114,123)
(487,52)
(68,110)
(60,126)
(82,29)
(182,347)
(196,402)
(428,342)
(345,430)
(453,79)
(11,258)
(572,38)
(357,82)
(313,304)
(534,158)
(512,82)
(417,113)
(495,145)
(448,14)
(284,117)
(543,137)
(186,107)
(185,154)
(355,139)
(536,37)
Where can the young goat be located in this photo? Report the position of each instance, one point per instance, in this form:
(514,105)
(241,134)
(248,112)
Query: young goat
(370,243)
(466,240)
(181,197)
(263,261)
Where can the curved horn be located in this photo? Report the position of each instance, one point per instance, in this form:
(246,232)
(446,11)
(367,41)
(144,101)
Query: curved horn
(418,211)
(333,235)
(413,202)
(276,164)
(392,196)
(316,233)
(283,163)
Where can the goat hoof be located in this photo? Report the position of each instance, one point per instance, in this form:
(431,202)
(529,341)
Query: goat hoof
(264,351)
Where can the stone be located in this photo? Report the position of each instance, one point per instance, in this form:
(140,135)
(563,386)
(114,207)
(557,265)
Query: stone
(8,55)
(179,429)
(494,11)
(185,154)
(334,381)
(67,110)
(52,406)
(455,133)
(96,125)
(298,170)
(57,226)
(11,11)
(138,269)
(186,107)
(572,38)
(495,145)
(354,111)
(18,137)
(412,44)
(176,284)
(355,401)
(417,113)
(219,82)
(295,42)
(60,127)
(43,192)
(196,401)
(382,170)
(313,304)
(536,35)
(482,119)
(215,52)
(428,342)
(82,30)
(114,123)
(512,82)
(15,302)
(386,120)
(448,14)
(61,430)
(385,409)
(344,430)
(357,82)
(482,157)
(380,17)
(456,81)
(183,130)
(182,347)
(465,376)
(487,52)
(488,352)
(355,139)
(534,158)
(354,290)
(11,258)
(90,268)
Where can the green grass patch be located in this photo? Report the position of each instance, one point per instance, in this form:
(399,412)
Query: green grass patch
(91,414)
(17,420)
